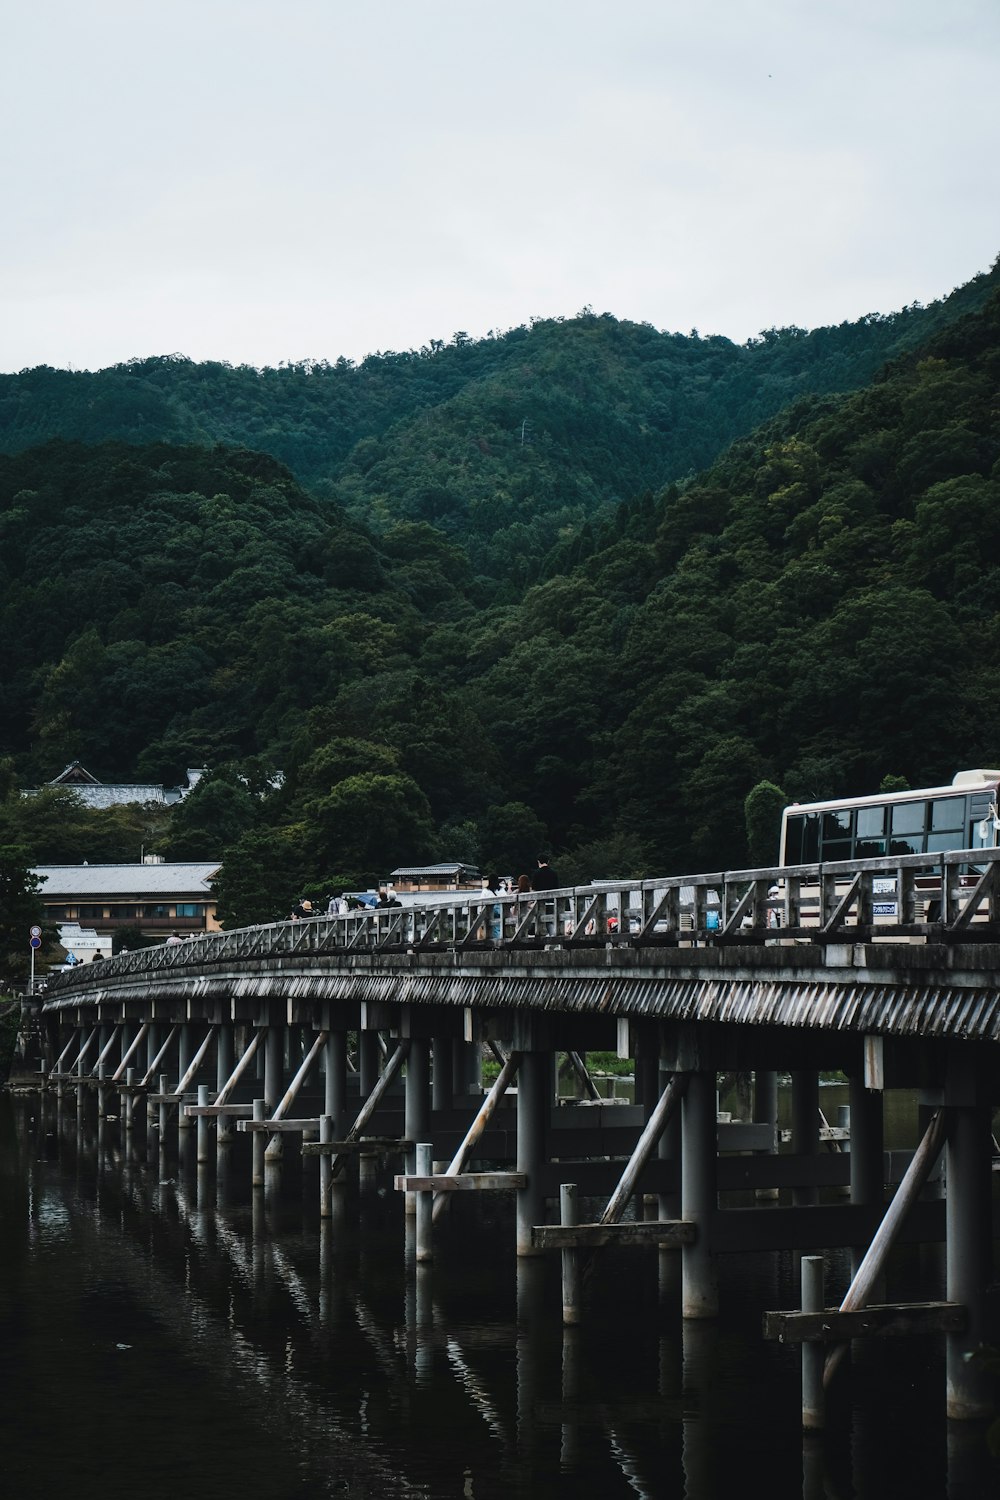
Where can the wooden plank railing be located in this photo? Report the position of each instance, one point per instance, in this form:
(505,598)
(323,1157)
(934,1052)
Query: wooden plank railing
(953,896)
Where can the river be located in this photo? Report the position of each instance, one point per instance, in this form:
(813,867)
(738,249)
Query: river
(166,1332)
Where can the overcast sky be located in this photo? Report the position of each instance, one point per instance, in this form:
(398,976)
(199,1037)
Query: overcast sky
(268,180)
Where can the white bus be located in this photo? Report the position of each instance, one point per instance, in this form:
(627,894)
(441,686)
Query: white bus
(932,820)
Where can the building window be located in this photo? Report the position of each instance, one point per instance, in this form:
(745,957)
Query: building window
(189,909)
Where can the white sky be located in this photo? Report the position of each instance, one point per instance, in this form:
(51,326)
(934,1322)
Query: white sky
(262,180)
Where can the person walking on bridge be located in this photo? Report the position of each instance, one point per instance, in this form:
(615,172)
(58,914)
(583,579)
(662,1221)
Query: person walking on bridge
(544,878)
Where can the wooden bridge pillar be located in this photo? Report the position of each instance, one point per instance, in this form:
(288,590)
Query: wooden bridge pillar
(225,1058)
(154,1041)
(699,1195)
(969,1244)
(866,1151)
(417,1106)
(805,1128)
(765,1097)
(765,1112)
(441,1074)
(668,1149)
(368,1060)
(467,1067)
(129,1030)
(185,1052)
(335,1080)
(533,1100)
(647,1066)
(274,1053)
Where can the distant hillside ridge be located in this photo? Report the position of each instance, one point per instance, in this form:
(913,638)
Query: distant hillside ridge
(507,440)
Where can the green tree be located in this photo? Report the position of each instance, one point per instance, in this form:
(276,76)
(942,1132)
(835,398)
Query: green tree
(211,818)
(261,877)
(337,759)
(460,842)
(715,791)
(370,822)
(58,828)
(762,811)
(622,856)
(20,909)
(512,836)
(130,939)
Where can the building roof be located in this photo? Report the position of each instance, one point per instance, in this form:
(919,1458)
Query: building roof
(105,794)
(188,879)
(87,789)
(74,775)
(449,868)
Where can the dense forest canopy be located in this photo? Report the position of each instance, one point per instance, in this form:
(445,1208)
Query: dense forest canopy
(511,443)
(477,618)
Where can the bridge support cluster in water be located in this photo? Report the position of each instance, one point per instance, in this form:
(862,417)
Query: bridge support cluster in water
(365,1085)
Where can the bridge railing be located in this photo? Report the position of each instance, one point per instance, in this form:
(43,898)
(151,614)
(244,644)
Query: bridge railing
(953,896)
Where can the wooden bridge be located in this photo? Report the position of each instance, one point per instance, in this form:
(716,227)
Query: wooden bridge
(362,1037)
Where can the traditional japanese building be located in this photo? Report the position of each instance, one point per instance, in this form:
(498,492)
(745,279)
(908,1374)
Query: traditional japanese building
(156,897)
(443,877)
(77,779)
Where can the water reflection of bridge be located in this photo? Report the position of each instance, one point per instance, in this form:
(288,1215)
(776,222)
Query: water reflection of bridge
(363,1036)
(364,1365)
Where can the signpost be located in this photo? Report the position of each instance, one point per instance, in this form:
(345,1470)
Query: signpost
(36,942)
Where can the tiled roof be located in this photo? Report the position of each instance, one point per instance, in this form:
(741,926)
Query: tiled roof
(104,795)
(126,880)
(93,793)
(445,869)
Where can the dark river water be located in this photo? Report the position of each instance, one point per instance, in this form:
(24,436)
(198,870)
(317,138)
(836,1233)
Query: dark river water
(166,1332)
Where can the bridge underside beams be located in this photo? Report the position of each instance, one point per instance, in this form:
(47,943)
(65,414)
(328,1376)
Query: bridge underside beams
(908,1061)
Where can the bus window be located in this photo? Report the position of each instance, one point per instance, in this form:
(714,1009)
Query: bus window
(791,853)
(947,824)
(870,834)
(908,820)
(801,839)
(947,814)
(837,834)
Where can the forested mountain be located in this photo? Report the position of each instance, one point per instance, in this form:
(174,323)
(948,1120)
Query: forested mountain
(818,608)
(510,443)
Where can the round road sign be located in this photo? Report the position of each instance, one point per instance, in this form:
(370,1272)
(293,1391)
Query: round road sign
(36,942)
(36,932)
